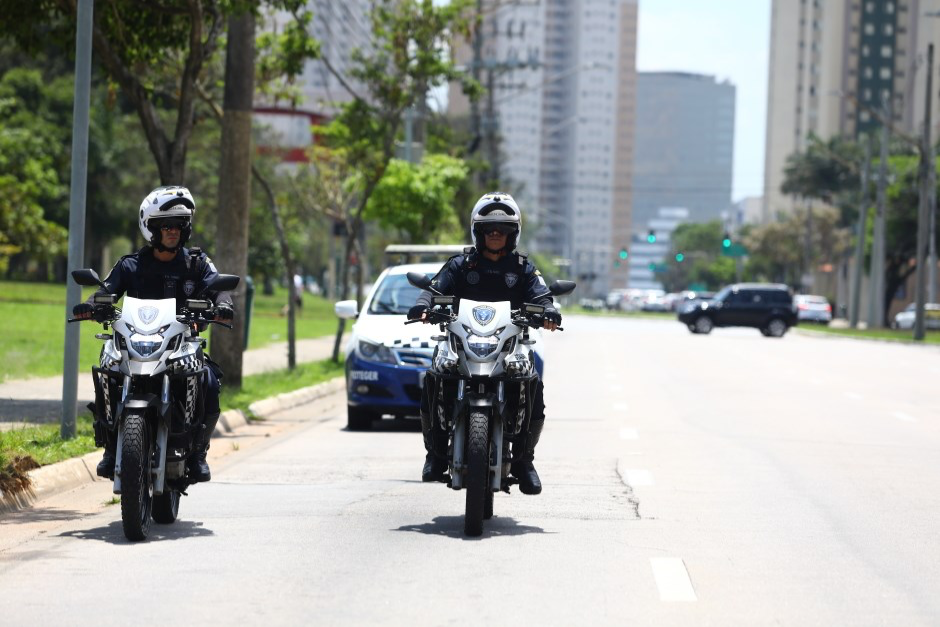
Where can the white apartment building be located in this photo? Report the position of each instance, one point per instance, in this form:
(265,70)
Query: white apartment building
(566,120)
(830,63)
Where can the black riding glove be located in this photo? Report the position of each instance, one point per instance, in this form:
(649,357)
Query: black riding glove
(415,312)
(552,315)
(103,312)
(224,312)
(82,310)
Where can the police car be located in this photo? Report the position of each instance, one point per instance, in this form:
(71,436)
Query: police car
(385,358)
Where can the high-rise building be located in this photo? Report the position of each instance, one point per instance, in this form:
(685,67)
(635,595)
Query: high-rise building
(562,74)
(684,146)
(832,62)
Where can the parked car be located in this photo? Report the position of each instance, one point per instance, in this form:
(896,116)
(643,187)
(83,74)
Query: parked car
(614,297)
(812,308)
(385,359)
(905,319)
(765,306)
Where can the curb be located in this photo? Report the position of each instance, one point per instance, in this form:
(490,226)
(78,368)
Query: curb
(72,473)
(837,336)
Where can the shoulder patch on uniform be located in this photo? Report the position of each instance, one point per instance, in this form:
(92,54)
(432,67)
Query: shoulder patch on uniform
(537,273)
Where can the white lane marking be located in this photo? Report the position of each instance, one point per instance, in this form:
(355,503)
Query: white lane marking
(621,407)
(628,433)
(672,579)
(900,415)
(634,477)
(854,396)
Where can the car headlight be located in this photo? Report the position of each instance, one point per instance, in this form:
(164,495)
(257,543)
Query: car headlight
(146,345)
(482,346)
(376,352)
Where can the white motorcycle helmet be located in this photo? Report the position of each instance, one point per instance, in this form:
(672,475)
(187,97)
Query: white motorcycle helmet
(495,208)
(169,201)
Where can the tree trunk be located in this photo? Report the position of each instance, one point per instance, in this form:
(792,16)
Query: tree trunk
(235,186)
(289,271)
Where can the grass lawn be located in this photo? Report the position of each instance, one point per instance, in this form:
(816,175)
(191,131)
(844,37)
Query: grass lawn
(34,315)
(267,384)
(896,335)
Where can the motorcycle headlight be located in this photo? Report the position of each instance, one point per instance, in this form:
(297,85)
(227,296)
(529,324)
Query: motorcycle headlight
(376,352)
(482,346)
(146,345)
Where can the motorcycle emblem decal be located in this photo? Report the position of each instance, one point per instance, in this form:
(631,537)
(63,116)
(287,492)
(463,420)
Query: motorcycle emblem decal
(511,279)
(473,277)
(188,287)
(147,314)
(484,314)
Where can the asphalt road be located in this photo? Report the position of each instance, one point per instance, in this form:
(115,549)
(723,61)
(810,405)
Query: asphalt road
(728,479)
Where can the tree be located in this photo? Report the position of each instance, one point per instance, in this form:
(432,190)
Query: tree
(700,246)
(418,200)
(407,57)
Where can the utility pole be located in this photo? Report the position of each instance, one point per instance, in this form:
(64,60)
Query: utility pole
(861,227)
(492,146)
(73,292)
(923,218)
(876,301)
(475,67)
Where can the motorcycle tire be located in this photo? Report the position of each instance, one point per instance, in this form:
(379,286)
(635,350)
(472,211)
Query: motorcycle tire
(136,481)
(166,507)
(478,442)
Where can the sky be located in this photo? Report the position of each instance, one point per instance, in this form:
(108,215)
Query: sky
(729,39)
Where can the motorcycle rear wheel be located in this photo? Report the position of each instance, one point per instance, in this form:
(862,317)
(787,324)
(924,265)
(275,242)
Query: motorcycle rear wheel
(166,507)
(136,481)
(478,466)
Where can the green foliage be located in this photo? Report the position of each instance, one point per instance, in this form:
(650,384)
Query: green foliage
(44,444)
(827,171)
(31,118)
(418,200)
(700,245)
(282,56)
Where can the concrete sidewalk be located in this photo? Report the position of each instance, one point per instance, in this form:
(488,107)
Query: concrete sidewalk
(40,399)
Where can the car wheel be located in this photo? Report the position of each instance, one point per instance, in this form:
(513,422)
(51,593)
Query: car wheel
(692,328)
(704,325)
(358,419)
(776,328)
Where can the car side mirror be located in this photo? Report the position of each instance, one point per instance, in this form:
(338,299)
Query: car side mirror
(224,283)
(560,287)
(346,309)
(87,278)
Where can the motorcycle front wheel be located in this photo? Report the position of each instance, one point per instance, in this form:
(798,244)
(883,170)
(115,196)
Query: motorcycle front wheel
(478,466)
(136,481)
(166,507)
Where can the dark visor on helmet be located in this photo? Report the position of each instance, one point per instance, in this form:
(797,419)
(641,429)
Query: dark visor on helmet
(502,229)
(169,224)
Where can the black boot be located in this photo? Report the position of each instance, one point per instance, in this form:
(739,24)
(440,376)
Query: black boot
(106,465)
(198,466)
(523,454)
(435,462)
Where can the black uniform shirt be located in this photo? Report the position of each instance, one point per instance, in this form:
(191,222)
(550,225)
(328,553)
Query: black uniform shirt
(141,275)
(512,277)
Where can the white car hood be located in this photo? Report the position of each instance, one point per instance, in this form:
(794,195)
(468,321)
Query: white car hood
(393,332)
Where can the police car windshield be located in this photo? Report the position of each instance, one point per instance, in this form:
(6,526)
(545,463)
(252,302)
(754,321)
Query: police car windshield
(394,296)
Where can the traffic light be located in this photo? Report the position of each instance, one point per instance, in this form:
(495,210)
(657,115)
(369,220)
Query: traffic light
(651,238)
(726,242)
(624,254)
(680,257)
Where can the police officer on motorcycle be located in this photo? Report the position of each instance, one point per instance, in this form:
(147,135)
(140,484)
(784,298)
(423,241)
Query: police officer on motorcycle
(165,269)
(490,271)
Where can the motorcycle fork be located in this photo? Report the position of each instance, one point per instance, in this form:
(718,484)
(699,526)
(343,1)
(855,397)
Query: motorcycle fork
(118,453)
(163,432)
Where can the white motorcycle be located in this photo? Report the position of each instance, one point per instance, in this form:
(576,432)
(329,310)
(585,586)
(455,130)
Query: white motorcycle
(487,376)
(148,393)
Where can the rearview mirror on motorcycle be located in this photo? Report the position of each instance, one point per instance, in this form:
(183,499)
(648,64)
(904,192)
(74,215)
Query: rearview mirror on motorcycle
(87,277)
(560,287)
(224,283)
(419,280)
